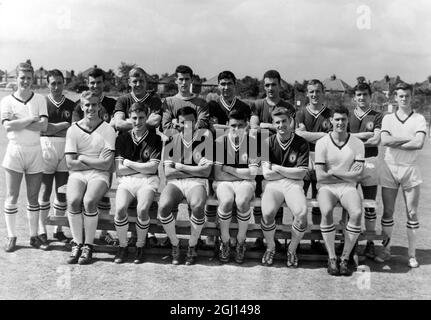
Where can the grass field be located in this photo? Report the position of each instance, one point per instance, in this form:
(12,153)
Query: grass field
(34,274)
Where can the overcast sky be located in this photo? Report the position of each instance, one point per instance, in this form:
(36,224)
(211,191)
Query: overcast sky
(302,39)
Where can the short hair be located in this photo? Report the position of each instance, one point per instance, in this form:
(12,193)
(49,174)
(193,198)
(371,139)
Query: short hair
(226,75)
(363,86)
(24,66)
(281,111)
(137,107)
(403,86)
(314,82)
(54,73)
(97,72)
(185,111)
(238,114)
(184,69)
(339,109)
(272,74)
(137,72)
(87,95)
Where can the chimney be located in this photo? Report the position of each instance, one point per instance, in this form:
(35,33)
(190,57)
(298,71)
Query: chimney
(333,77)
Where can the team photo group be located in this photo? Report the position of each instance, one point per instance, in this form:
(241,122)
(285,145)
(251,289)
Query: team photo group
(185,147)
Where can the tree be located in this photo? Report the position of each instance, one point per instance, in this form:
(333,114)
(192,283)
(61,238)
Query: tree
(248,87)
(124,70)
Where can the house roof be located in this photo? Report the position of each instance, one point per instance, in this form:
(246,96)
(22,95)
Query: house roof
(385,84)
(212,82)
(167,79)
(334,84)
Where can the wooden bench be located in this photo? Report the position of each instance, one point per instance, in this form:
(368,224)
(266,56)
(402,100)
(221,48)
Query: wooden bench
(283,231)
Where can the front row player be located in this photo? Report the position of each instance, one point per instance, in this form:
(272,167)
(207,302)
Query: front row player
(339,165)
(137,158)
(187,168)
(89,150)
(235,170)
(284,172)
(403,134)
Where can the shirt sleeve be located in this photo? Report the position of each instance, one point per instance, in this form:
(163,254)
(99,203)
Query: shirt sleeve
(359,151)
(43,108)
(120,105)
(299,117)
(71,142)
(167,115)
(303,156)
(110,138)
(156,152)
(422,125)
(320,152)
(385,124)
(378,121)
(6,110)
(119,148)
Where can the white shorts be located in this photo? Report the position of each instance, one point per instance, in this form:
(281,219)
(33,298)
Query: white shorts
(339,189)
(23,159)
(186,184)
(236,185)
(394,176)
(370,175)
(285,186)
(53,154)
(91,175)
(136,182)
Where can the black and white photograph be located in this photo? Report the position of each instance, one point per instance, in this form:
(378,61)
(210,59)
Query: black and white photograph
(227,153)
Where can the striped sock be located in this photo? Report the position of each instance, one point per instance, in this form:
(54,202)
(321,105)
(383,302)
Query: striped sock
(387,228)
(243,220)
(104,206)
(59,210)
(297,234)
(10,211)
(268,231)
(224,222)
(122,226)
(142,227)
(350,237)
(168,224)
(43,215)
(412,227)
(370,219)
(210,213)
(33,218)
(76,225)
(196,225)
(90,226)
(257,214)
(328,234)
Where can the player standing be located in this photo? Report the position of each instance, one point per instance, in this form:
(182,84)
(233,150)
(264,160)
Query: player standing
(403,133)
(53,141)
(312,124)
(365,124)
(24,116)
(90,146)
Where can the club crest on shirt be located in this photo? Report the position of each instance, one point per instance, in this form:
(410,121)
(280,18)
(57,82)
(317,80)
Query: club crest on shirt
(244,158)
(67,114)
(146,155)
(325,124)
(292,157)
(370,125)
